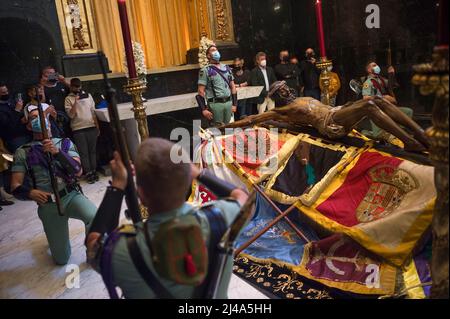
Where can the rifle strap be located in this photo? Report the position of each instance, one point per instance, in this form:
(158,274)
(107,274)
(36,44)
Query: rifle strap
(377,85)
(139,262)
(218,228)
(220,72)
(29,167)
(212,84)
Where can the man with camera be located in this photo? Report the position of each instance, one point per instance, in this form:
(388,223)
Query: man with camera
(80,107)
(309,75)
(56,89)
(287,71)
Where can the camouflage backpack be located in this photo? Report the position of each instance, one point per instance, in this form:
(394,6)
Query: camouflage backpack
(179,251)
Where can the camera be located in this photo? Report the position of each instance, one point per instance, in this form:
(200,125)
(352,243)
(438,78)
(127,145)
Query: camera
(83,95)
(53,77)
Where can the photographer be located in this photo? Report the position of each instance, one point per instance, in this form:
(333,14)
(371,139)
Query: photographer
(80,107)
(309,76)
(56,89)
(13,125)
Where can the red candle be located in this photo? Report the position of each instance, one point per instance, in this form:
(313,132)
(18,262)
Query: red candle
(320,33)
(127,38)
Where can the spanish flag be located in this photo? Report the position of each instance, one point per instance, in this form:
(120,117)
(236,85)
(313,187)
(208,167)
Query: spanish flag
(382,202)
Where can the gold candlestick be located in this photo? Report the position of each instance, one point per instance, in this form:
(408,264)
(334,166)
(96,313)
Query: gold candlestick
(432,79)
(135,88)
(325,79)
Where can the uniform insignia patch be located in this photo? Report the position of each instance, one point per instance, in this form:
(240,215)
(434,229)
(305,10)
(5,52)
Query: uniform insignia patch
(366,85)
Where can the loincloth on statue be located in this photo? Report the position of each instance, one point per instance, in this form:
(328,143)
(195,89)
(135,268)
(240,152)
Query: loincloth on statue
(329,128)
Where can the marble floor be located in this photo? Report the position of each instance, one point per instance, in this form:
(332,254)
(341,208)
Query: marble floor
(28,272)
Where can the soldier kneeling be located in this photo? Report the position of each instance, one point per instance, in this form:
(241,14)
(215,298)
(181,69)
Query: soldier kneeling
(171,254)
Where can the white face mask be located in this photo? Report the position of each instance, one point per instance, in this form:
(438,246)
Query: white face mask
(263,63)
(330,69)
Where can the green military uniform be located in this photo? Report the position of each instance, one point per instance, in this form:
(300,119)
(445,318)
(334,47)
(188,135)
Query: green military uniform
(375,86)
(74,204)
(126,276)
(218,91)
(378,86)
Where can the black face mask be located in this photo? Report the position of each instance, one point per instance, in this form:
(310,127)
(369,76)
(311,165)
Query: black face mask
(4,98)
(238,67)
(285,58)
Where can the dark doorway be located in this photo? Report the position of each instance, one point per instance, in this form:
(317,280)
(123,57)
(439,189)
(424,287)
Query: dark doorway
(25,47)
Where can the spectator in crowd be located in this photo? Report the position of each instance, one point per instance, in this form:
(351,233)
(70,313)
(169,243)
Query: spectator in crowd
(263,75)
(49,110)
(80,108)
(288,72)
(241,79)
(12,122)
(5,198)
(294,61)
(309,76)
(56,89)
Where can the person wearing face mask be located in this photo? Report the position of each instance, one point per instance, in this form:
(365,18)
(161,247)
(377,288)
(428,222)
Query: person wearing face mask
(31,93)
(241,78)
(30,180)
(80,107)
(13,130)
(13,134)
(286,71)
(217,94)
(377,85)
(56,88)
(310,75)
(263,75)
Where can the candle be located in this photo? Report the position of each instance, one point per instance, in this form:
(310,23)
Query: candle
(127,38)
(320,33)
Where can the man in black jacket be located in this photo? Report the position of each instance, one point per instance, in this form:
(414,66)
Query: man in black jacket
(287,71)
(12,123)
(263,75)
(309,75)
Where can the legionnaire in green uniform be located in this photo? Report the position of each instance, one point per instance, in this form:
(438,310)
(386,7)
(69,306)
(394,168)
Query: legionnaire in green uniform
(217,94)
(30,164)
(376,85)
(165,256)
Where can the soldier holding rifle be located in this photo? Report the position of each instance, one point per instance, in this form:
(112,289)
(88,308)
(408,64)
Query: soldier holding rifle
(171,255)
(46,172)
(180,251)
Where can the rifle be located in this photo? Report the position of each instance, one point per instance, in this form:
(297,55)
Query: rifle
(120,144)
(391,76)
(49,157)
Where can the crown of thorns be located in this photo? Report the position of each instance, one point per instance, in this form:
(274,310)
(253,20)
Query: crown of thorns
(275,87)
